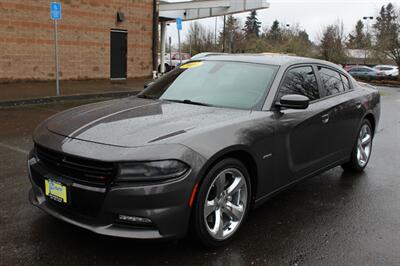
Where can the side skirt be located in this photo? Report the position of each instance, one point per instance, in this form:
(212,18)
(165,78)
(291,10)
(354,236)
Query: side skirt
(270,195)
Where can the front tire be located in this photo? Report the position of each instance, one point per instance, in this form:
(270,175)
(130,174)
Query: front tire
(222,203)
(362,149)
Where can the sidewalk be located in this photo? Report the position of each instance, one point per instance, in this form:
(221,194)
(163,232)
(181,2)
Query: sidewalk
(44,89)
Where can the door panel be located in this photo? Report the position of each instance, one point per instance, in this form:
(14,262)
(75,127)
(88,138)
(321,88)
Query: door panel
(302,138)
(301,135)
(119,44)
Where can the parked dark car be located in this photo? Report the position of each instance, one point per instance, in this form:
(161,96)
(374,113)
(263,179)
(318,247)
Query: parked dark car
(201,146)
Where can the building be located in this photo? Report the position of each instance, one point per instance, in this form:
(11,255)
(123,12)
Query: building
(98,39)
(366,57)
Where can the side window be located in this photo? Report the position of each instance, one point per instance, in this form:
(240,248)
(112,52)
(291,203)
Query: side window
(346,82)
(331,80)
(300,80)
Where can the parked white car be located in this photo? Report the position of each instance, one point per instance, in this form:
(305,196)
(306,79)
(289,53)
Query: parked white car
(173,60)
(391,71)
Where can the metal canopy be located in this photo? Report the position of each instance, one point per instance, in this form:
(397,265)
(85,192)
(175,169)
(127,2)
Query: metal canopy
(197,9)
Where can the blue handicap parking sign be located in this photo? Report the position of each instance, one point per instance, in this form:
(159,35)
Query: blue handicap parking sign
(55,10)
(179,23)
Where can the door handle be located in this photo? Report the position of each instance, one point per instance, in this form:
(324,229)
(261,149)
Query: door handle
(325,118)
(358,105)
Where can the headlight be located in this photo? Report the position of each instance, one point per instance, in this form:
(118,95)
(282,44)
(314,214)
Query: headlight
(151,171)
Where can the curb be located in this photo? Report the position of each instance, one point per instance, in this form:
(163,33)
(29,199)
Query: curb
(385,85)
(53,99)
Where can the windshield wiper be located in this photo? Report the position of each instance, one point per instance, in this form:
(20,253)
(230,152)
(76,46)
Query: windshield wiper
(188,102)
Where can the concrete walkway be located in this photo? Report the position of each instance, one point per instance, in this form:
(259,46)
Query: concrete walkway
(33,90)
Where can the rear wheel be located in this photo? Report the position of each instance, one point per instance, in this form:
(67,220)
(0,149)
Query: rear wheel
(222,203)
(362,149)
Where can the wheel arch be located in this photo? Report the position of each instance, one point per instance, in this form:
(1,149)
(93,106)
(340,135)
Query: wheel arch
(241,153)
(371,118)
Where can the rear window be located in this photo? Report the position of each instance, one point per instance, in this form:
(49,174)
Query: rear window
(331,80)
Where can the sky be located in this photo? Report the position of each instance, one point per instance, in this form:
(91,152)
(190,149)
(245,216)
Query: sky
(311,15)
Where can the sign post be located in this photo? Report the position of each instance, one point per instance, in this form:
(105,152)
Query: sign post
(55,14)
(179,28)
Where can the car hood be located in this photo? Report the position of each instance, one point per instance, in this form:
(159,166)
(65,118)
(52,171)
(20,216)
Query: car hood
(133,122)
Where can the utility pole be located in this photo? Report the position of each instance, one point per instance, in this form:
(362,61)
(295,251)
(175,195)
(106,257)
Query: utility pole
(190,45)
(223,37)
(215,31)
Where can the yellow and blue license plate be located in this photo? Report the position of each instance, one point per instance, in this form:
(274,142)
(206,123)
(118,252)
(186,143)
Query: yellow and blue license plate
(55,190)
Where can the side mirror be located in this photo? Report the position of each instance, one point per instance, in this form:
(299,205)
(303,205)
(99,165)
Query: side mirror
(147,83)
(294,101)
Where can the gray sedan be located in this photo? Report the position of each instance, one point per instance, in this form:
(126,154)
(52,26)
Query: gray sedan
(366,72)
(201,146)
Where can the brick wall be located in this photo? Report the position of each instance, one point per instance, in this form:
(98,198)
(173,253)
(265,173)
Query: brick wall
(27,46)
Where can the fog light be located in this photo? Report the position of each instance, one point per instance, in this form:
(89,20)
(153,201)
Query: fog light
(134,219)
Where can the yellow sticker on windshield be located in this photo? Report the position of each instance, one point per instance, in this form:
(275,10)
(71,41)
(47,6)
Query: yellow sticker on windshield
(191,65)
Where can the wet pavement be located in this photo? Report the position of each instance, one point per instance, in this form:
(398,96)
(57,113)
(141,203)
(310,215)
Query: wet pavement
(333,219)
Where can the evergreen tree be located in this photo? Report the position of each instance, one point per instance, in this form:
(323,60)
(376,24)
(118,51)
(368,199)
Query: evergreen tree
(275,34)
(387,33)
(358,39)
(252,26)
(386,26)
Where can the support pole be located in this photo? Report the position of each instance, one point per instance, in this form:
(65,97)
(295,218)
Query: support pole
(179,47)
(163,44)
(56,58)
(170,50)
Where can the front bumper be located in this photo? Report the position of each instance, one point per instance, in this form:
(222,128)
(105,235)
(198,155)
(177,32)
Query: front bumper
(97,208)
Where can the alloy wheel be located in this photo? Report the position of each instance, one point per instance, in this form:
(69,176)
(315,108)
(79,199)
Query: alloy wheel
(225,203)
(364,145)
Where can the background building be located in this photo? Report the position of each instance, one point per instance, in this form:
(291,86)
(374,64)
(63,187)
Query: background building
(97,39)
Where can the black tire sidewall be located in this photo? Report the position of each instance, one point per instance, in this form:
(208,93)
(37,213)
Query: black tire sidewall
(199,227)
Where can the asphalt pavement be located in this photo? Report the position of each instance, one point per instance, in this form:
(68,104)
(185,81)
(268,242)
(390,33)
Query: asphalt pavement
(335,218)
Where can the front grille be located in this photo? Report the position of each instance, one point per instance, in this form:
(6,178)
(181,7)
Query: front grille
(76,168)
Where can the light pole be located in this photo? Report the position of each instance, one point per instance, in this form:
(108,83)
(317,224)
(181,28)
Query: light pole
(366,45)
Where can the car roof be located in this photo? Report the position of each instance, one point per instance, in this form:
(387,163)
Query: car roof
(268,59)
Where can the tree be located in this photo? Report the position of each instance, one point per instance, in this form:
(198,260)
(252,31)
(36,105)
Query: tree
(358,39)
(387,33)
(252,26)
(199,39)
(275,33)
(234,38)
(332,44)
(298,43)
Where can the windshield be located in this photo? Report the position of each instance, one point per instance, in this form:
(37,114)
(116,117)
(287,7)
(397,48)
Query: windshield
(214,83)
